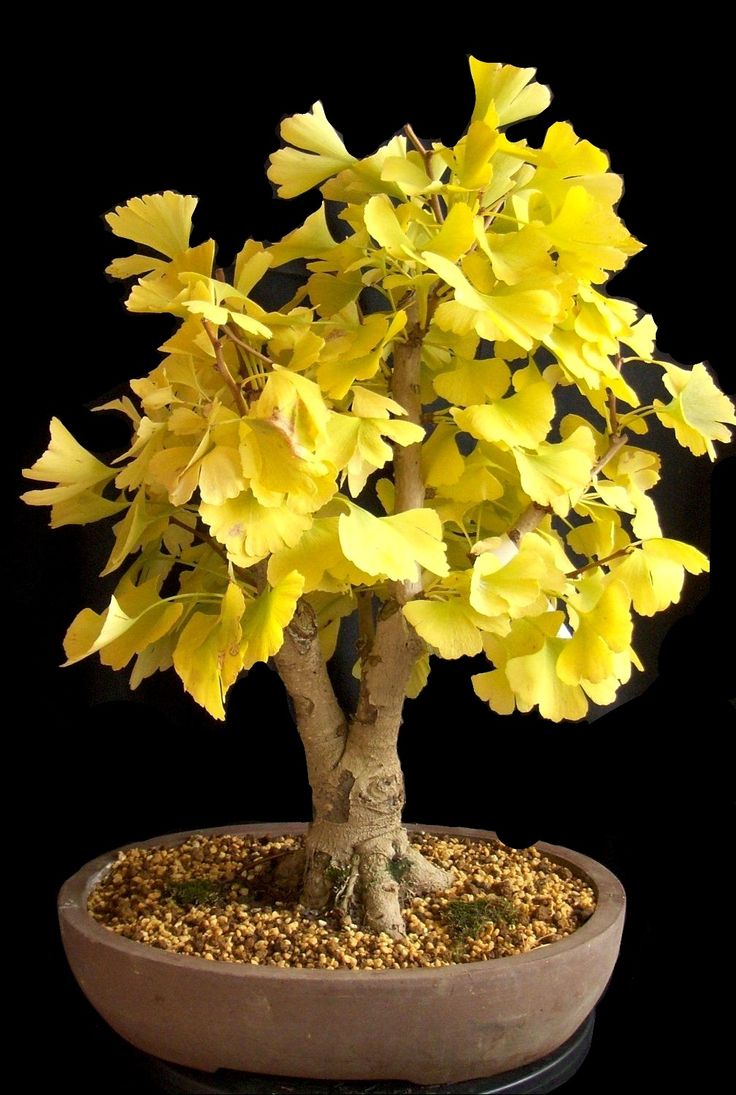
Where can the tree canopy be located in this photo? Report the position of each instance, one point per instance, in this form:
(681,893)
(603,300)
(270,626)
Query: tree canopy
(499,494)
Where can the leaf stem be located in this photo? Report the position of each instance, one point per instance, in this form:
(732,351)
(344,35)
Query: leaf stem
(246,345)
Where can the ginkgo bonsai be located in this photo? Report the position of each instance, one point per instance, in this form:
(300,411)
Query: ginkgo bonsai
(406,460)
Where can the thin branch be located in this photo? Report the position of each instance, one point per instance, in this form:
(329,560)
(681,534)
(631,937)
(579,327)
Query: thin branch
(205,537)
(599,562)
(426,155)
(222,367)
(613,421)
(617,442)
(534,514)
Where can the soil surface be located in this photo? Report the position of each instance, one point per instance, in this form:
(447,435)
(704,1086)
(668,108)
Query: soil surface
(212,897)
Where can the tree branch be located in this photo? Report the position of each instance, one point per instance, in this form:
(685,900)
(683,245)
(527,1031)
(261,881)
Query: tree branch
(599,562)
(205,537)
(319,718)
(384,677)
(617,443)
(613,422)
(426,155)
(395,646)
(534,514)
(222,367)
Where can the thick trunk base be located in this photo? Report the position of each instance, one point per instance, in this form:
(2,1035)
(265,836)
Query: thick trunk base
(365,878)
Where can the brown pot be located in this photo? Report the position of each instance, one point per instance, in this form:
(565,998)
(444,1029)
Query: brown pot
(428,1026)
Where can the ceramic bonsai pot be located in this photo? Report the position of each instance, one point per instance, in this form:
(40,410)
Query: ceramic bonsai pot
(427,1026)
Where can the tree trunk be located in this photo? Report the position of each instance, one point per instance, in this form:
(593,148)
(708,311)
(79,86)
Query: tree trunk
(358,857)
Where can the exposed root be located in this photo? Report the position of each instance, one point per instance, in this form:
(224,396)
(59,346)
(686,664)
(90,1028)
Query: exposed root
(423,876)
(287,872)
(317,888)
(344,893)
(370,881)
(381,896)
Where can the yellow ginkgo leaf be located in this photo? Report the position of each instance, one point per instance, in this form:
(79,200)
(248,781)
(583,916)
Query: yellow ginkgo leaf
(267,616)
(523,419)
(276,465)
(251,264)
(207,656)
(587,363)
(505,94)
(130,266)
(162,222)
(357,355)
(457,235)
(494,689)
(473,381)
(65,462)
(555,474)
(534,680)
(251,531)
(155,658)
(409,172)
(396,546)
(383,225)
(318,152)
(297,403)
(163,290)
(499,587)
(144,521)
(80,476)
(655,573)
(418,677)
(447,626)
(136,617)
(699,412)
(600,631)
(473,155)
(600,538)
(317,551)
(442,463)
(310,240)
(516,314)
(516,256)
(589,237)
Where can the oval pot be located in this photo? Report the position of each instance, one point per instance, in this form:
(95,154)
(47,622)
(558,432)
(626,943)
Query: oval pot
(428,1026)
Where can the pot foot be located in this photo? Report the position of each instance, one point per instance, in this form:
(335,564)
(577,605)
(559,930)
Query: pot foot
(536,1078)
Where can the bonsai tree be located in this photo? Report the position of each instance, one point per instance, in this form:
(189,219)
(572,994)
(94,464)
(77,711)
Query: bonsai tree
(440,433)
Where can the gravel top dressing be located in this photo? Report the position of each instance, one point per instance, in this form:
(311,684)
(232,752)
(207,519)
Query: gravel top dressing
(210,897)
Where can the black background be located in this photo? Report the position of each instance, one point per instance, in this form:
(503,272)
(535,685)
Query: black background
(643,788)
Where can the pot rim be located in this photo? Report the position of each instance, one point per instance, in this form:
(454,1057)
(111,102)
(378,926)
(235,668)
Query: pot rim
(72,908)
